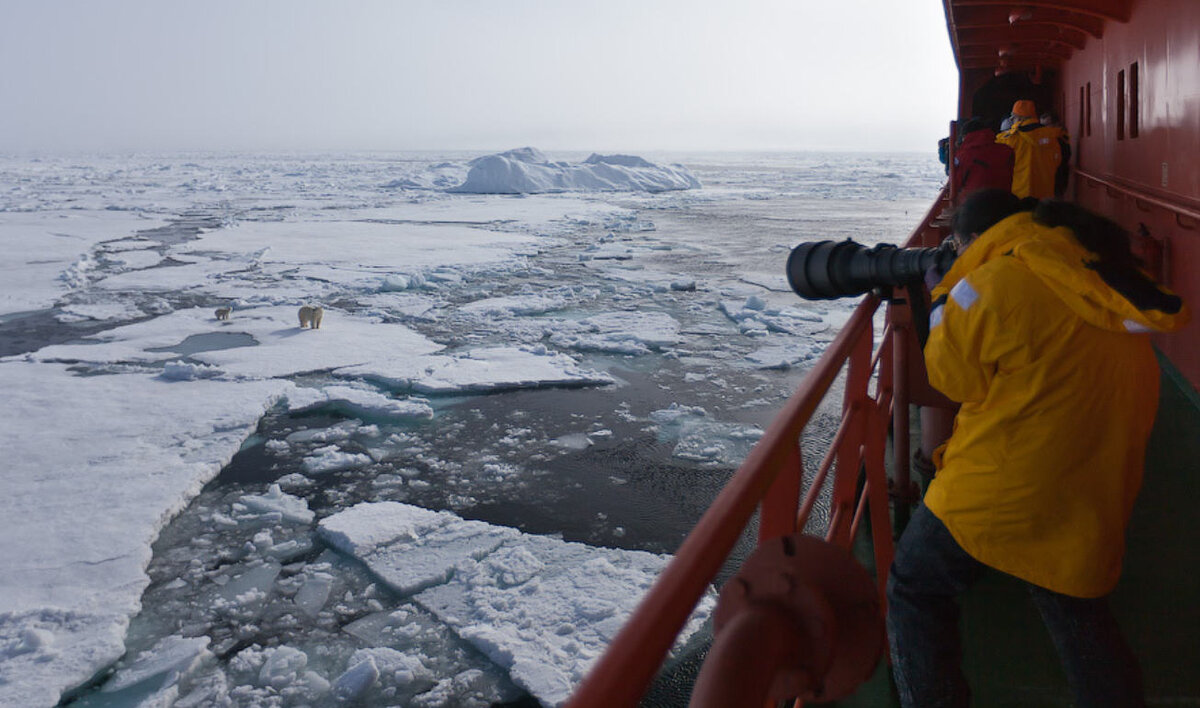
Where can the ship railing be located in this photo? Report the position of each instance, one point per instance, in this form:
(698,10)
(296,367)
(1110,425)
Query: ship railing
(876,393)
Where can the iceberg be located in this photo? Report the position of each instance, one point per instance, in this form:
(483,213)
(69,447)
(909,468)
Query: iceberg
(528,171)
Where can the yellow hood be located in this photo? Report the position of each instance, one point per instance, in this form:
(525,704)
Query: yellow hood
(1059,261)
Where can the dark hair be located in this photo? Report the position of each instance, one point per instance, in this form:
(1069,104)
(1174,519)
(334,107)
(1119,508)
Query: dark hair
(984,209)
(1115,261)
(975,123)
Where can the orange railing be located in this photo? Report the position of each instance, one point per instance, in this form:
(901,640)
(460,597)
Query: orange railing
(770,480)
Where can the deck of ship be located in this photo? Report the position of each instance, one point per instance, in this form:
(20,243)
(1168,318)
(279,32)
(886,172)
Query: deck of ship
(1009,659)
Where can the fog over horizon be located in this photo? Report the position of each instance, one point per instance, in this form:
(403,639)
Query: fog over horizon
(316,76)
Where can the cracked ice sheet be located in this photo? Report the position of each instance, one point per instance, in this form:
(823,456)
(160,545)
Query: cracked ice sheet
(531,211)
(283,348)
(366,247)
(483,370)
(542,608)
(350,345)
(37,248)
(87,487)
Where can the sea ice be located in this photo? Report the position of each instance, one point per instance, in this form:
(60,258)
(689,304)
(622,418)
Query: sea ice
(360,403)
(702,439)
(290,508)
(621,333)
(87,487)
(45,254)
(481,370)
(526,170)
(542,608)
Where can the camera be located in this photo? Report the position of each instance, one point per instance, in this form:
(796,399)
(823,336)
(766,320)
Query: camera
(826,270)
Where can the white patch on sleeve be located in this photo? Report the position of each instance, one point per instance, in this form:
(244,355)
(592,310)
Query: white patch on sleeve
(964,294)
(935,317)
(1136,327)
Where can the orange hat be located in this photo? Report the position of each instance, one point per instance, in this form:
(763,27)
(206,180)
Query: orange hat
(1024,109)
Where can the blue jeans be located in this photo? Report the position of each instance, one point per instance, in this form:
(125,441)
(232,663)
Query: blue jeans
(929,573)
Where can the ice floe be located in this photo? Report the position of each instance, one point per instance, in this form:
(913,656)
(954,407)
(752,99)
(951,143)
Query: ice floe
(482,370)
(43,255)
(542,608)
(88,485)
(528,171)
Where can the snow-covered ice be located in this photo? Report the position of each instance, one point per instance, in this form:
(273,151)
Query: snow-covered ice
(45,254)
(87,487)
(540,607)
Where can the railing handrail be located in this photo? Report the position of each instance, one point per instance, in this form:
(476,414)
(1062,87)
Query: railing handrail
(621,675)
(1140,195)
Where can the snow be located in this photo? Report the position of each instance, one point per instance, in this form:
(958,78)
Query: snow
(44,254)
(87,487)
(528,171)
(542,608)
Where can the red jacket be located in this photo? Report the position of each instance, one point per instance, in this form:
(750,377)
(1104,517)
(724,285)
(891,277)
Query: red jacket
(982,163)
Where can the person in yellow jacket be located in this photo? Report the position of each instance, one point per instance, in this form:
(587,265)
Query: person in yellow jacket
(1038,151)
(1040,329)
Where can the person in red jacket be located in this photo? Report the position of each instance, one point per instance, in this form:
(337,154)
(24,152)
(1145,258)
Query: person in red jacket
(980,162)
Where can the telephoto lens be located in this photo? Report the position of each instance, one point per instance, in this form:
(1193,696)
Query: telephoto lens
(827,270)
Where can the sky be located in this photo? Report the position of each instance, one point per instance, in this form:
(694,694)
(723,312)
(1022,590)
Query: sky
(602,75)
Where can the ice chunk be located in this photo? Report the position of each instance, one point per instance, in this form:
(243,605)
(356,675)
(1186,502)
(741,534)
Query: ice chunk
(515,305)
(292,508)
(283,665)
(314,593)
(620,333)
(783,356)
(410,548)
(702,439)
(356,680)
(331,459)
(160,666)
(361,403)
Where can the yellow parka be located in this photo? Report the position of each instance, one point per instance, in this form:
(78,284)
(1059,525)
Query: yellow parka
(1059,387)
(1037,156)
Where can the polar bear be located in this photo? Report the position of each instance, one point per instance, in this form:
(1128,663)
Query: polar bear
(222,313)
(311,317)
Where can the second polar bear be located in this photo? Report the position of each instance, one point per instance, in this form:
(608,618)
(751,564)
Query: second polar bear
(311,317)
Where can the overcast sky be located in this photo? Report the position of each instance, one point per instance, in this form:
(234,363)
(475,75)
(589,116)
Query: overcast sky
(601,75)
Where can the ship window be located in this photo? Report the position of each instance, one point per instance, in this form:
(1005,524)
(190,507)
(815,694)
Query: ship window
(1121,104)
(1081,123)
(1089,108)
(1133,100)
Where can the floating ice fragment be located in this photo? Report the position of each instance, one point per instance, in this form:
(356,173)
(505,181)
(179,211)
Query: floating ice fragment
(163,664)
(360,403)
(188,371)
(283,665)
(331,459)
(292,508)
(356,680)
